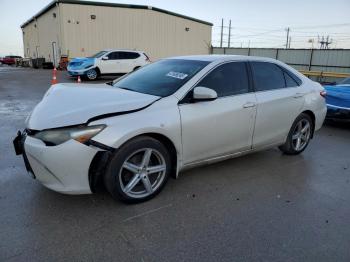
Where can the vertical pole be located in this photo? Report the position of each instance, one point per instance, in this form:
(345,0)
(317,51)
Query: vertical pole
(229,34)
(311,55)
(287,37)
(222,28)
(290,40)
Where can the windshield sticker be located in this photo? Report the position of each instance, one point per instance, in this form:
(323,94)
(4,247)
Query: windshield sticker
(177,75)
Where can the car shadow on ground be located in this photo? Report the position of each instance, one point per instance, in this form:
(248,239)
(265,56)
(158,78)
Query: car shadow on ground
(338,124)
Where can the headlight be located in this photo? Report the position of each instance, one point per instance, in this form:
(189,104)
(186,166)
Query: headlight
(60,135)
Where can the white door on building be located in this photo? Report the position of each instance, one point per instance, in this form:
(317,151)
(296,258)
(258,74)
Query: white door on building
(55,58)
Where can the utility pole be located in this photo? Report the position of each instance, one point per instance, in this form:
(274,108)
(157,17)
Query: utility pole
(289,41)
(222,28)
(229,34)
(288,29)
(324,42)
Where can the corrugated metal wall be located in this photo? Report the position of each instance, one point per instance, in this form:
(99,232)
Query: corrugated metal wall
(76,34)
(331,60)
(158,34)
(39,35)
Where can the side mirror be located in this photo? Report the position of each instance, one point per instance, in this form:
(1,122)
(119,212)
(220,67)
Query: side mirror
(201,93)
(104,58)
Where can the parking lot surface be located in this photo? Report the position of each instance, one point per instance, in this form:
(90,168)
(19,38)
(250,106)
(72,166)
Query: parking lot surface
(261,207)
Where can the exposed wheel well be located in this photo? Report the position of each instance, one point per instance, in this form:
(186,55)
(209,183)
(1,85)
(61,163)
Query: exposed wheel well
(313,118)
(101,159)
(98,71)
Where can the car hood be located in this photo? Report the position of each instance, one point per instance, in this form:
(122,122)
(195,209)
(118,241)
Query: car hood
(338,96)
(78,61)
(73,104)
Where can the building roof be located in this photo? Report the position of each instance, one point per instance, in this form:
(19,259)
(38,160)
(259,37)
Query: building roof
(79,2)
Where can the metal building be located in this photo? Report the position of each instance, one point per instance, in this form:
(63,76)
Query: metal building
(80,28)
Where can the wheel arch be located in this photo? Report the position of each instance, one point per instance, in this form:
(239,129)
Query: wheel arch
(100,161)
(313,118)
(98,70)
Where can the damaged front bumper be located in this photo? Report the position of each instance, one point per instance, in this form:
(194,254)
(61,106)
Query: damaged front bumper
(63,168)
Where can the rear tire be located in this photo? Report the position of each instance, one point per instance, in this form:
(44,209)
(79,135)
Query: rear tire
(299,135)
(138,170)
(92,74)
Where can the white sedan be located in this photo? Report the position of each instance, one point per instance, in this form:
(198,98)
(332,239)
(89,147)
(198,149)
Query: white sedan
(174,114)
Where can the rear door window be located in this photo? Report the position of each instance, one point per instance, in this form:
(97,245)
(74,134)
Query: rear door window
(267,76)
(128,55)
(290,82)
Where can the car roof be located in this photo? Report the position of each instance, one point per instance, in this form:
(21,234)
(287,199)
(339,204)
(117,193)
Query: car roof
(128,50)
(222,58)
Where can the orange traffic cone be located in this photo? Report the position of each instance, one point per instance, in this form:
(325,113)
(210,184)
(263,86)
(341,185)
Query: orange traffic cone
(79,80)
(54,78)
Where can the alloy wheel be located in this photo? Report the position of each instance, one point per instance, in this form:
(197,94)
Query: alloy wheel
(142,173)
(91,74)
(301,134)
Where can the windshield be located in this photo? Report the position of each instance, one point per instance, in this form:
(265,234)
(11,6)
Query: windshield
(346,81)
(161,78)
(99,54)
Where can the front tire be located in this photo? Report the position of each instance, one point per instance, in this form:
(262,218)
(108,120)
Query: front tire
(92,74)
(138,170)
(299,135)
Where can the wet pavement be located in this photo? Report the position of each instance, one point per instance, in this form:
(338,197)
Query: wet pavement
(261,207)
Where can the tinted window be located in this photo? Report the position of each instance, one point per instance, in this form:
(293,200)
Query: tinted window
(128,55)
(267,76)
(228,79)
(113,56)
(290,82)
(161,78)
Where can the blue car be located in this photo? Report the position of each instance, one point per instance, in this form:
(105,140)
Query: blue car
(338,101)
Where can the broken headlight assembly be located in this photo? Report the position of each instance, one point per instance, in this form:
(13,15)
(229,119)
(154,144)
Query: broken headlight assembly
(82,134)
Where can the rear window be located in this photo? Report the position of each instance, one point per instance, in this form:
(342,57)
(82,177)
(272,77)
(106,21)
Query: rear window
(161,78)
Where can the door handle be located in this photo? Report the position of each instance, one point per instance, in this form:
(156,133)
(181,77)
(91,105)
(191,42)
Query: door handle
(298,95)
(249,104)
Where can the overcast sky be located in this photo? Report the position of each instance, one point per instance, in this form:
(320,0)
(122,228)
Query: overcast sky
(255,23)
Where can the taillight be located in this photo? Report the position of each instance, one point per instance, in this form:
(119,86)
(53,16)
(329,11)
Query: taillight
(323,93)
